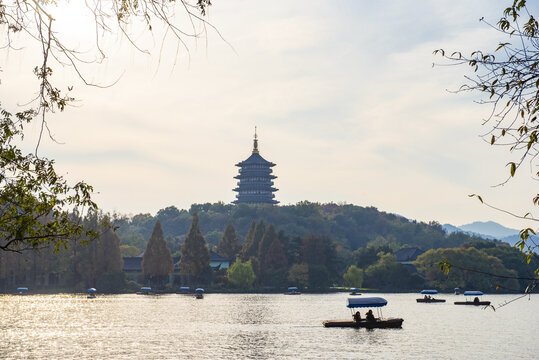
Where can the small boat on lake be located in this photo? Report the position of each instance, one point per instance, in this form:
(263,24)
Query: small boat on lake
(22,291)
(91,293)
(199,293)
(476,301)
(185,290)
(457,291)
(292,290)
(354,291)
(145,290)
(370,322)
(428,298)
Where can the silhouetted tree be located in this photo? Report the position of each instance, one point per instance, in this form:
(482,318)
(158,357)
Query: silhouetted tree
(195,258)
(250,246)
(275,257)
(313,250)
(229,245)
(157,261)
(267,239)
(109,256)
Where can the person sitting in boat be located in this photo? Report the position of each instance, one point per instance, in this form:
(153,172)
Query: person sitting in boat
(476,300)
(357,317)
(370,316)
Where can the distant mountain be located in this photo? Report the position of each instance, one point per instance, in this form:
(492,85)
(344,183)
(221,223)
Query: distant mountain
(490,229)
(513,239)
(486,230)
(450,228)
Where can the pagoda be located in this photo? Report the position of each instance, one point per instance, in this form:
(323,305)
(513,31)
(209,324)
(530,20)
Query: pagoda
(255,185)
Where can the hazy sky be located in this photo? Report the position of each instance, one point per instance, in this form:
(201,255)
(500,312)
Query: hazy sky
(344,95)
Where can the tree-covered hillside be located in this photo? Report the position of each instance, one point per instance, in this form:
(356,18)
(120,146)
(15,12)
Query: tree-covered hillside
(349,225)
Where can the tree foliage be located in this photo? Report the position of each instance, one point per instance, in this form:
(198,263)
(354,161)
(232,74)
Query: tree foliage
(298,275)
(97,264)
(252,240)
(507,78)
(195,257)
(388,274)
(157,261)
(471,269)
(353,277)
(37,206)
(36,202)
(241,274)
(129,250)
(275,257)
(263,246)
(229,245)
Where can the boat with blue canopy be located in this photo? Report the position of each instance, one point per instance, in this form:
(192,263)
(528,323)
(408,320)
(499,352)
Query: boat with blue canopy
(476,301)
(145,290)
(91,293)
(199,293)
(457,291)
(293,290)
(354,291)
(185,290)
(370,320)
(22,290)
(427,298)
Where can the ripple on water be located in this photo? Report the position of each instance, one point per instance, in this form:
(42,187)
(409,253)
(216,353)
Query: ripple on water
(251,326)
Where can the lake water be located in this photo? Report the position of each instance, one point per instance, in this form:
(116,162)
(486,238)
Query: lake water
(250,326)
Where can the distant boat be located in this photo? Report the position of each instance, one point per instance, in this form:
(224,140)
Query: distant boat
(457,291)
(292,290)
(354,291)
(185,290)
(145,290)
(91,293)
(199,293)
(370,322)
(476,301)
(22,291)
(428,298)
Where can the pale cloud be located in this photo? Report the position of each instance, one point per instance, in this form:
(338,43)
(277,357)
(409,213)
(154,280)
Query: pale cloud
(343,93)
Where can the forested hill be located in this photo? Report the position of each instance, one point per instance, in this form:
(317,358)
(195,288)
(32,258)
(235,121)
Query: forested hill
(349,225)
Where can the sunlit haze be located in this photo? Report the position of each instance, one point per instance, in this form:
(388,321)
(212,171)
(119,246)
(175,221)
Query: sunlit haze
(344,95)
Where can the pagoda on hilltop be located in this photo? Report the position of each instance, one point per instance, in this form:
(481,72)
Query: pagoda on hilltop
(255,185)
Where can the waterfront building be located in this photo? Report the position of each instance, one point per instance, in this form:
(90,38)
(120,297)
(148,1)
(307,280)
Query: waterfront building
(132,267)
(255,185)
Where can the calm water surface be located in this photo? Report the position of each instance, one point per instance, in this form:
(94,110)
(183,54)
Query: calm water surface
(238,326)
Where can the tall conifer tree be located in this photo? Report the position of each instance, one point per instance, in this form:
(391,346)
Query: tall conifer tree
(250,247)
(229,245)
(247,244)
(275,257)
(195,257)
(269,236)
(157,261)
(110,259)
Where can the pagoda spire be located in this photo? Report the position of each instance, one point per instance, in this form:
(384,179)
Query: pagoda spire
(255,143)
(255,185)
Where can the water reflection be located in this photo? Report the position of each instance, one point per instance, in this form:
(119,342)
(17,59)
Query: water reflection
(252,309)
(255,327)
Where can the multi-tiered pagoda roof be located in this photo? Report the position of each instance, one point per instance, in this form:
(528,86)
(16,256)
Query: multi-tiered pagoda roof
(255,185)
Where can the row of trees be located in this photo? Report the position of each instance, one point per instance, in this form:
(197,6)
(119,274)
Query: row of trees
(83,263)
(349,226)
(266,259)
(194,264)
(269,259)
